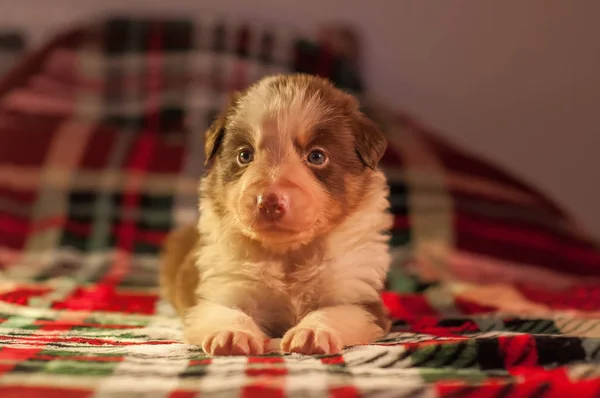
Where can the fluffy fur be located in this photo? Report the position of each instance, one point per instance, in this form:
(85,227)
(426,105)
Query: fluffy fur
(310,270)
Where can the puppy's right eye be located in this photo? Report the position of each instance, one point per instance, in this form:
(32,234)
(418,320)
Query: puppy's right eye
(245,156)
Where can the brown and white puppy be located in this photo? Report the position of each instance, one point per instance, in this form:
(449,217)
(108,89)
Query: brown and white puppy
(292,240)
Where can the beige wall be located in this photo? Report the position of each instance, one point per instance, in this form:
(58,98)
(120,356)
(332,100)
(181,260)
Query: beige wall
(515,80)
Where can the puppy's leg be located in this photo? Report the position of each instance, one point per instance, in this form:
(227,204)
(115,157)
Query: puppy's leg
(330,329)
(221,330)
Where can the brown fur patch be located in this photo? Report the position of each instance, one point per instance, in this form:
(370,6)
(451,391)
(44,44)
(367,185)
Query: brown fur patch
(179,275)
(215,133)
(379,313)
(370,142)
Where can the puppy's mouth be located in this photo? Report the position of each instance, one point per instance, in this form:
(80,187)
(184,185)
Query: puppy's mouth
(276,232)
(274,229)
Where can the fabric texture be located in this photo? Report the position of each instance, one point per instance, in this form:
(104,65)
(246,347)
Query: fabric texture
(494,290)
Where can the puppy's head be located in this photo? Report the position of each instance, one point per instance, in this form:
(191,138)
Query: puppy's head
(290,157)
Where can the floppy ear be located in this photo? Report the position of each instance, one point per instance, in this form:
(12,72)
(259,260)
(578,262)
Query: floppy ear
(370,142)
(213,138)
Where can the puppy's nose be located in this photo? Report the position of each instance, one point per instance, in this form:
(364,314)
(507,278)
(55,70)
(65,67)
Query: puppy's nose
(272,206)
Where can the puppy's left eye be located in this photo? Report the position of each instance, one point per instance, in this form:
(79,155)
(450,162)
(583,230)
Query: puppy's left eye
(245,156)
(316,157)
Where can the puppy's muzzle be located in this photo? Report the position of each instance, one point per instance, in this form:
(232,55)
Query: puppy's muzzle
(272,206)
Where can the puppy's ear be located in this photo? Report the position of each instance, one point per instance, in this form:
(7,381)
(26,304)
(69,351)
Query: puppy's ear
(370,142)
(213,138)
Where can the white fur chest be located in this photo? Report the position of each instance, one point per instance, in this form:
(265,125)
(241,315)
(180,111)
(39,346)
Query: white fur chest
(274,293)
(284,293)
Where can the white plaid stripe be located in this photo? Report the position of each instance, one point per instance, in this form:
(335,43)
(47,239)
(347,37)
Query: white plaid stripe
(312,378)
(150,370)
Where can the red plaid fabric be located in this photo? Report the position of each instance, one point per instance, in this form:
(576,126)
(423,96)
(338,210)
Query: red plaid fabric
(100,155)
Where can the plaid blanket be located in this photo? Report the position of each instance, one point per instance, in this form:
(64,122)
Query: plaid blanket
(494,289)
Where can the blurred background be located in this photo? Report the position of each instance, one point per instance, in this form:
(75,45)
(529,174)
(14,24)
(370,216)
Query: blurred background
(515,81)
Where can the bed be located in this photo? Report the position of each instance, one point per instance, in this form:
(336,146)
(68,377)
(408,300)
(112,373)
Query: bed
(494,289)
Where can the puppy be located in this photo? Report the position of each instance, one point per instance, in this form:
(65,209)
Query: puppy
(292,239)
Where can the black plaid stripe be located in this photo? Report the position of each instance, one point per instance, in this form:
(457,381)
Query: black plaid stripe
(135,38)
(152,215)
(82,213)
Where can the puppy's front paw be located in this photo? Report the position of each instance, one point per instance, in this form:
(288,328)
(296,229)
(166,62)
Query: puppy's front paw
(309,341)
(233,342)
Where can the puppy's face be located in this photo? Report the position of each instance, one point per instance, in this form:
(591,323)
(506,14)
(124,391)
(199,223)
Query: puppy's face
(291,158)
